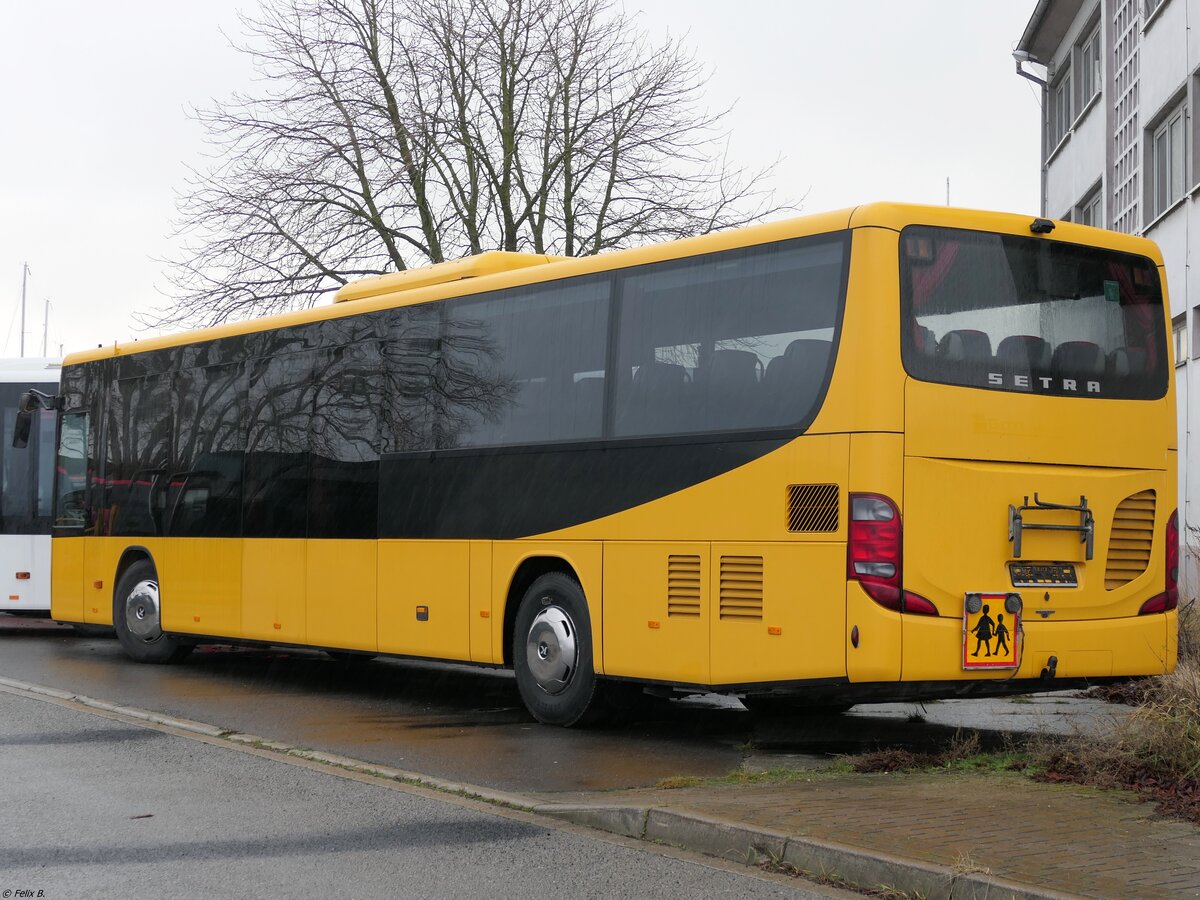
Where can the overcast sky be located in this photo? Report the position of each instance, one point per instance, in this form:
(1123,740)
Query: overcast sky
(863,100)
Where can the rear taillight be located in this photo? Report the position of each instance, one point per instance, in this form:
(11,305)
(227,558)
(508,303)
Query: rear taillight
(1168,599)
(874,548)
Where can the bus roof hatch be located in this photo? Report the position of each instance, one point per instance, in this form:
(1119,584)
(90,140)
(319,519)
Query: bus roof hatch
(489,263)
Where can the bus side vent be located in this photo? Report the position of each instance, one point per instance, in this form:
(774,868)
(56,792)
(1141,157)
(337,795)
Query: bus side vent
(812,507)
(1131,539)
(683,586)
(741,587)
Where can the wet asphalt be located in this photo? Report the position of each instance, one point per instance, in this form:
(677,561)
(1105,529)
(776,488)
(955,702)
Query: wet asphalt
(467,724)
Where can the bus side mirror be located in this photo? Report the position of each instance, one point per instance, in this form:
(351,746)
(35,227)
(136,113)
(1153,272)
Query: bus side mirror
(20,438)
(30,402)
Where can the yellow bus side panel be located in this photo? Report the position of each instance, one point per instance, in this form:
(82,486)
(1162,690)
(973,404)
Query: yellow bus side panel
(99,578)
(341,594)
(424,598)
(274,590)
(1096,648)
(587,559)
(657,609)
(481,602)
(748,503)
(66,578)
(880,634)
(876,467)
(866,392)
(200,580)
(783,624)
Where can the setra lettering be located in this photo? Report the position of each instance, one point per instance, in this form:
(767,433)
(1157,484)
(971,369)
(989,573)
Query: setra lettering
(1042,382)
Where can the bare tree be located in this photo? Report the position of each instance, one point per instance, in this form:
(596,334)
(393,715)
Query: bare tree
(395,133)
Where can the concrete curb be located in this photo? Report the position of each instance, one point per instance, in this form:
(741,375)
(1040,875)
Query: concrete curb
(825,860)
(733,841)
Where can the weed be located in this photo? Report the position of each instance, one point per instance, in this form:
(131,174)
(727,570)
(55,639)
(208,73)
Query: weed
(1155,750)
(964,864)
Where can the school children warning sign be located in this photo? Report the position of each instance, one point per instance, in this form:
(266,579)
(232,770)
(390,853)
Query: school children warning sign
(989,633)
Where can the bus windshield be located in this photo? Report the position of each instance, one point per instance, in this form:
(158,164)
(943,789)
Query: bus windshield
(1026,314)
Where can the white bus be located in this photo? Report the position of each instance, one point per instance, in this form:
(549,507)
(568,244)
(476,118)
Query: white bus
(26,491)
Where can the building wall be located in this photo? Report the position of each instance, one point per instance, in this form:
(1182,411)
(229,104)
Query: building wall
(1151,64)
(1077,162)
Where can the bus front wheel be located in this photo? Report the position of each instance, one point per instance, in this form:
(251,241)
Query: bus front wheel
(552,652)
(137,617)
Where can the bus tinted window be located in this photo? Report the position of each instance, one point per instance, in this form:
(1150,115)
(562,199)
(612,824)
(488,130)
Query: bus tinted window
(26,472)
(1032,315)
(205,494)
(729,341)
(523,366)
(71,504)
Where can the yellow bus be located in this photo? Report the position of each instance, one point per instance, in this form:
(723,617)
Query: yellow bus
(886,453)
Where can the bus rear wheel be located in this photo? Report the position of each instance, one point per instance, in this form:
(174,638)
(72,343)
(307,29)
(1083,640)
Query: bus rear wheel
(552,652)
(137,617)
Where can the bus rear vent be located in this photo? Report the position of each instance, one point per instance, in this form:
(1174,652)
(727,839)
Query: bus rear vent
(741,587)
(812,507)
(683,586)
(1131,540)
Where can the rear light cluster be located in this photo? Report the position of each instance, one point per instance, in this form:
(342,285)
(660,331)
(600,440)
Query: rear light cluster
(1169,599)
(874,549)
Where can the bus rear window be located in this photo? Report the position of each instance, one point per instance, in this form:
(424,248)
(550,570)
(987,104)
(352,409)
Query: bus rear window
(1030,315)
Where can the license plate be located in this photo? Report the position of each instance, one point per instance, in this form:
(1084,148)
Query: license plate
(991,635)
(1038,574)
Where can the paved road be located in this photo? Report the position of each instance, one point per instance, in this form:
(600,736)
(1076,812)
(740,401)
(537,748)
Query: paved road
(99,808)
(467,724)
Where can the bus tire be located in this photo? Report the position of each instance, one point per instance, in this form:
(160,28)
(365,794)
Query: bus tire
(552,652)
(137,617)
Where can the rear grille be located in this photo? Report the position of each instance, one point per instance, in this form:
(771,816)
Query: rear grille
(741,587)
(812,507)
(683,586)
(1131,540)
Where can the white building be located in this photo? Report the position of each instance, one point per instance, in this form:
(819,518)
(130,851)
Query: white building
(1120,88)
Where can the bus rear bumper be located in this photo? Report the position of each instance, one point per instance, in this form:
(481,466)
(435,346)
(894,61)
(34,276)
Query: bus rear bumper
(1089,649)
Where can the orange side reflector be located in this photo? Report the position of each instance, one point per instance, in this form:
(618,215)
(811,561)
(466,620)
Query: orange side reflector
(654,623)
(98,585)
(195,618)
(774,629)
(22,576)
(278,626)
(14,596)
(95,610)
(485,614)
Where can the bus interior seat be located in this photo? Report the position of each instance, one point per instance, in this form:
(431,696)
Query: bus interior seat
(1024,351)
(1126,361)
(926,340)
(728,388)
(793,379)
(965,345)
(1078,358)
(657,398)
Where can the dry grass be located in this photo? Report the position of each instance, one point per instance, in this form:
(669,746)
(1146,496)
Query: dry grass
(1155,751)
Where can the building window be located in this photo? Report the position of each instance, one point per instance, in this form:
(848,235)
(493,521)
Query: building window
(1195,332)
(1060,107)
(1179,336)
(1090,72)
(1166,162)
(1090,210)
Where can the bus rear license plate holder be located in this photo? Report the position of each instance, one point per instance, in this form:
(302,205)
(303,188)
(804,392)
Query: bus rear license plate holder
(1043,574)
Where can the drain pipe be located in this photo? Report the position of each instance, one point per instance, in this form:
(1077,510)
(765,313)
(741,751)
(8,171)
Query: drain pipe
(1021,57)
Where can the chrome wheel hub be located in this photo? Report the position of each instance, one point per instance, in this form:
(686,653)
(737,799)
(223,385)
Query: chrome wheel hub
(142,612)
(551,649)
